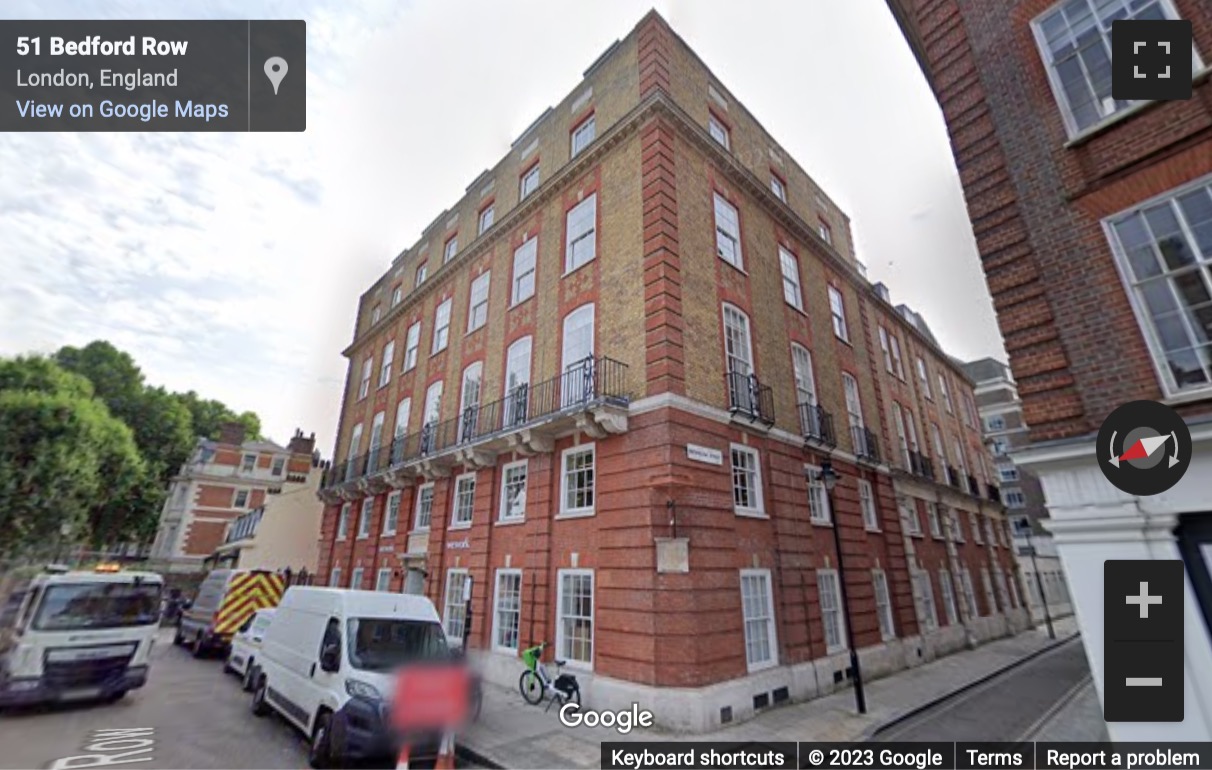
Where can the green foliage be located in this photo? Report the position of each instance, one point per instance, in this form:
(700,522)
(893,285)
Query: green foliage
(84,441)
(64,460)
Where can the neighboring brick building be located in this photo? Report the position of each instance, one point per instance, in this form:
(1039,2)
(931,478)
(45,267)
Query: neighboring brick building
(222,480)
(600,386)
(1093,219)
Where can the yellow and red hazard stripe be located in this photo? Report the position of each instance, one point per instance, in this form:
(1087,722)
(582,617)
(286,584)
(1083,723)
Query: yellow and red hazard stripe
(248,592)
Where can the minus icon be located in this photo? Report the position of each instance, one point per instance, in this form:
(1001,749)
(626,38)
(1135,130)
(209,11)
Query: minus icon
(1144,681)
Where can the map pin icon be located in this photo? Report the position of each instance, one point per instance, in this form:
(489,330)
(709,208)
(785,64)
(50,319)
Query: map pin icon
(275,70)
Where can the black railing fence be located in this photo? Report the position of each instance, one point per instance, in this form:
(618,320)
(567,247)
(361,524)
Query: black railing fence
(866,446)
(816,424)
(591,380)
(921,465)
(748,397)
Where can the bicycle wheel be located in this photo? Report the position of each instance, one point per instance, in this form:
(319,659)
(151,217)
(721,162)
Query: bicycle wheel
(531,687)
(574,696)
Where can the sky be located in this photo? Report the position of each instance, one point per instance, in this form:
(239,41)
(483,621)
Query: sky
(231,264)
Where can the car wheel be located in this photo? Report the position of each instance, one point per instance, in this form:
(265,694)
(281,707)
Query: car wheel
(250,676)
(198,647)
(319,753)
(114,697)
(260,707)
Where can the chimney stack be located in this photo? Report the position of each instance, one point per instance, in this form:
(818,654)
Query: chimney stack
(301,445)
(231,433)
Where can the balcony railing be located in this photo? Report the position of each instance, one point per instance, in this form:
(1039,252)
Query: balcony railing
(816,424)
(921,465)
(953,477)
(865,445)
(591,381)
(750,398)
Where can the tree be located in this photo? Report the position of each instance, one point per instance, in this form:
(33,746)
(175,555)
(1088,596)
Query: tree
(116,378)
(43,375)
(63,460)
(209,416)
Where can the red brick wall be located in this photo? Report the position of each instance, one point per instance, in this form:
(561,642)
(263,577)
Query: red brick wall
(203,537)
(214,496)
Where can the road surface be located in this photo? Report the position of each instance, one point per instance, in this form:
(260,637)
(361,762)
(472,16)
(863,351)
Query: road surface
(189,715)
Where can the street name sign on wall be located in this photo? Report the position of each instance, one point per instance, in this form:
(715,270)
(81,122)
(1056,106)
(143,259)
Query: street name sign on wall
(702,454)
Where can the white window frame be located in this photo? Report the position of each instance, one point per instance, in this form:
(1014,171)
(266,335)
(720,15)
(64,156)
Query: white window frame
(380,583)
(364,384)
(1107,113)
(505,514)
(279,465)
(764,578)
(391,513)
(389,359)
(923,376)
(417,508)
(403,417)
(375,445)
(412,345)
(397,294)
(517,376)
(718,131)
(754,474)
(525,263)
(728,228)
(778,188)
(240,498)
(525,186)
(487,217)
(948,588)
(355,446)
(497,627)
(883,335)
(458,498)
(819,512)
(343,521)
(451,249)
(581,234)
(356,577)
(441,327)
(560,638)
(913,521)
(833,605)
(837,309)
(898,363)
(582,135)
(883,604)
(365,514)
(737,359)
(946,391)
(584,510)
(987,586)
(433,403)
(456,607)
(790,267)
(1014,498)
(995,422)
(477,301)
(871,516)
(934,518)
(925,591)
(376,314)
(421,274)
(334,578)
(1200,267)
(825,232)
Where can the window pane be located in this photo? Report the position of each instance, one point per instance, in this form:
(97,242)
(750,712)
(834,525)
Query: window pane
(1170,240)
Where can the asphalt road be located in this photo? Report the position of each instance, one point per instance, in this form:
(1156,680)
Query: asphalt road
(1009,707)
(189,715)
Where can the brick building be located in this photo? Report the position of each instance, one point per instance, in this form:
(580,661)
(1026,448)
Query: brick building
(1093,220)
(600,387)
(222,480)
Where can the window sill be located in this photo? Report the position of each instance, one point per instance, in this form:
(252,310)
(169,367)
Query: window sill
(753,668)
(460,525)
(470,332)
(510,522)
(382,385)
(438,352)
(845,340)
(363,537)
(409,369)
(837,650)
(740,270)
(819,523)
(799,310)
(521,302)
(751,513)
(388,533)
(579,267)
(577,514)
(419,531)
(873,529)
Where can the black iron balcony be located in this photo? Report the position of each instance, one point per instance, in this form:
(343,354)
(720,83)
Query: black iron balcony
(993,493)
(974,488)
(866,447)
(953,477)
(584,384)
(816,424)
(921,465)
(749,398)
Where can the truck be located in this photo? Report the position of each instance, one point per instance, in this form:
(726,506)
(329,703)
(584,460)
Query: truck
(226,598)
(77,635)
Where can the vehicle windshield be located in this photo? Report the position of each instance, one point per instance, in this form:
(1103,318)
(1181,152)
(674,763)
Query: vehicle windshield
(381,644)
(98,605)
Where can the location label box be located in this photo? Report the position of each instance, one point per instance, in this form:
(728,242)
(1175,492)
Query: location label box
(1143,641)
(153,75)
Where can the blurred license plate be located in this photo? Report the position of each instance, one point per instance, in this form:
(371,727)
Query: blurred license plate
(84,693)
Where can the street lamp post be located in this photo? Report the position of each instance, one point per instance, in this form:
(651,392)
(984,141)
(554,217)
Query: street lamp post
(829,477)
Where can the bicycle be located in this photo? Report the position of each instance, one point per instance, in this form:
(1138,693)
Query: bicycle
(535,683)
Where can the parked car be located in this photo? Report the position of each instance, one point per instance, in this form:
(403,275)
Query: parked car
(327,666)
(224,601)
(246,645)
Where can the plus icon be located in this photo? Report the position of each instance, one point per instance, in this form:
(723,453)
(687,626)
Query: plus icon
(1144,600)
(1150,59)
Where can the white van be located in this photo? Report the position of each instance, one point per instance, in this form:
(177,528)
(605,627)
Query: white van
(226,598)
(327,665)
(246,646)
(78,635)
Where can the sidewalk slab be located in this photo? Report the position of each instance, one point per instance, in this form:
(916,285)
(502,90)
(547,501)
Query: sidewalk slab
(513,734)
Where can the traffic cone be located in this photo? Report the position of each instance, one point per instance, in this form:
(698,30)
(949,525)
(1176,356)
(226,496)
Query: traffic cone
(446,753)
(402,760)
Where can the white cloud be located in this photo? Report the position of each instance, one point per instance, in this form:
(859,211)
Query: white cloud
(231,264)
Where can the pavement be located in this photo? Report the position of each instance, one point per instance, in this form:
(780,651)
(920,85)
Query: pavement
(513,734)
